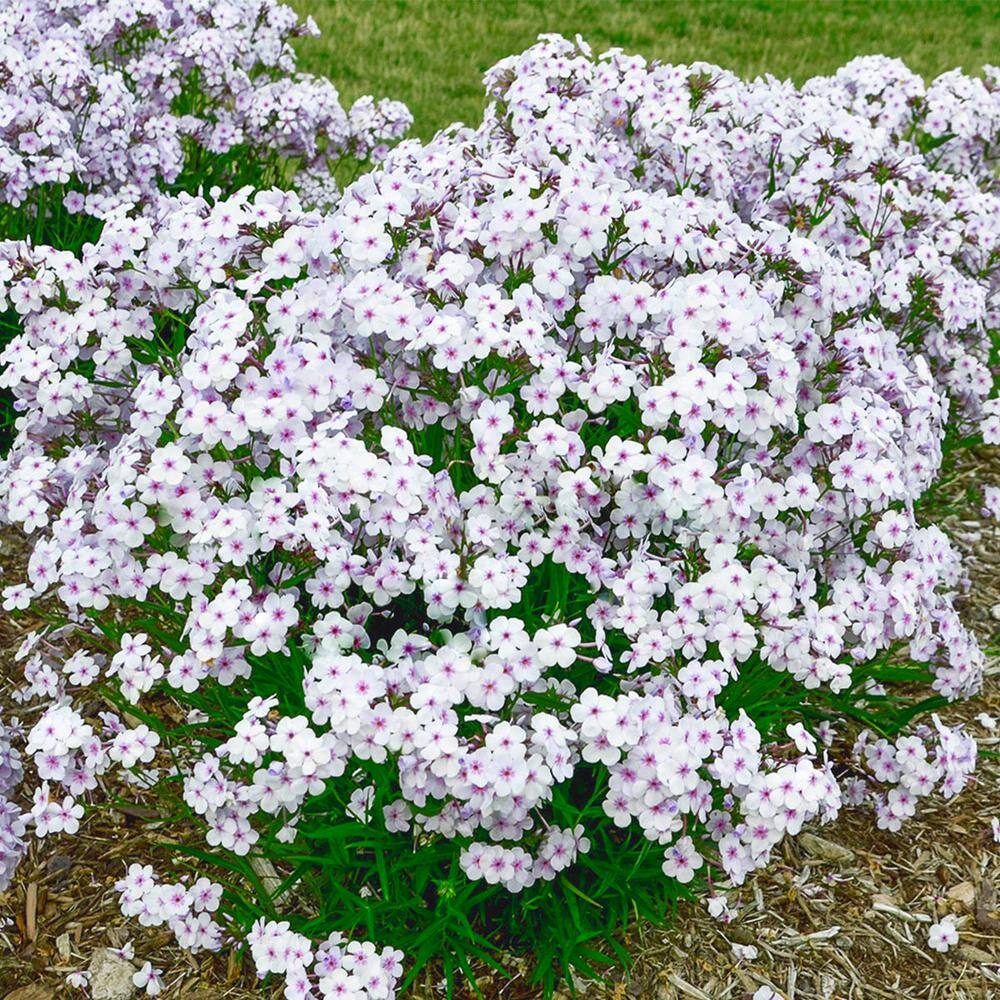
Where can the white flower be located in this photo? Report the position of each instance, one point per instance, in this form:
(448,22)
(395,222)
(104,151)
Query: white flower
(148,979)
(942,935)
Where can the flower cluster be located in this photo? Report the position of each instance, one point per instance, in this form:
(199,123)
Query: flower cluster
(351,970)
(13,825)
(898,178)
(930,760)
(187,910)
(355,970)
(65,749)
(550,495)
(103,104)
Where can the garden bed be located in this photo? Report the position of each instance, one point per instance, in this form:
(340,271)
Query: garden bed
(846,922)
(545,552)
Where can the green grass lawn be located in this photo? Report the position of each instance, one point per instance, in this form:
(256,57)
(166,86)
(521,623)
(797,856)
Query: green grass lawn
(432,53)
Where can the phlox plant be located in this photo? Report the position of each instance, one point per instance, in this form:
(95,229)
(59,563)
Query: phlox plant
(106,106)
(525,541)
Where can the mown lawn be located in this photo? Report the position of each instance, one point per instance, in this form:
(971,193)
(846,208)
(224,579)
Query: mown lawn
(432,53)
